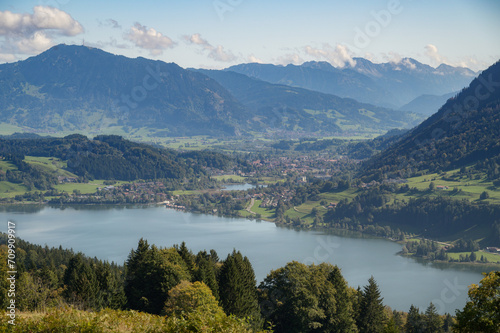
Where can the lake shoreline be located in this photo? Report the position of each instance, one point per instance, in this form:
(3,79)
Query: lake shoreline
(495,266)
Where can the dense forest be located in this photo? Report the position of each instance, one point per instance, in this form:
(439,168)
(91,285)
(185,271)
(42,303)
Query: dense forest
(106,157)
(203,293)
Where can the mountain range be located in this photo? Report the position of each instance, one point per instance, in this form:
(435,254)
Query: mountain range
(387,84)
(302,110)
(465,131)
(77,88)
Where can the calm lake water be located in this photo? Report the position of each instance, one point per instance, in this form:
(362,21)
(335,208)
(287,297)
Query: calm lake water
(239,187)
(110,233)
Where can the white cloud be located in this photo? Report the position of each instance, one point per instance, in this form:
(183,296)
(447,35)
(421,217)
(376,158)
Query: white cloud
(36,43)
(407,62)
(26,33)
(254,59)
(431,51)
(218,53)
(43,18)
(338,56)
(392,57)
(150,39)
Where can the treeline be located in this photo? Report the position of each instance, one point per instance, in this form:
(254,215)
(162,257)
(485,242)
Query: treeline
(112,157)
(355,150)
(430,217)
(52,277)
(201,290)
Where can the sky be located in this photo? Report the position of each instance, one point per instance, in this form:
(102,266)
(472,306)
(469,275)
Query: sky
(221,33)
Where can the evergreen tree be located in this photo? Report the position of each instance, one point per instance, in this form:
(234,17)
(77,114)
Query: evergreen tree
(187,256)
(206,273)
(371,316)
(151,273)
(448,323)
(432,321)
(81,283)
(237,287)
(110,285)
(414,321)
(391,327)
(341,319)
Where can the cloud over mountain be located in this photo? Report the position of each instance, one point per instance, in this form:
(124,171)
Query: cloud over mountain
(149,39)
(27,33)
(217,53)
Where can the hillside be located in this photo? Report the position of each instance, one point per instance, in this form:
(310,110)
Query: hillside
(297,109)
(427,104)
(386,84)
(104,157)
(464,132)
(71,88)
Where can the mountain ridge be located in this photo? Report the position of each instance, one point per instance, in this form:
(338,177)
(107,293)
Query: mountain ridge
(76,88)
(388,84)
(82,87)
(464,131)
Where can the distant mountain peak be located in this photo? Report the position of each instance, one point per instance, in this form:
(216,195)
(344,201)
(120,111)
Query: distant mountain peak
(463,132)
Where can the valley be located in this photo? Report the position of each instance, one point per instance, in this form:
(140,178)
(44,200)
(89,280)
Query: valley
(385,158)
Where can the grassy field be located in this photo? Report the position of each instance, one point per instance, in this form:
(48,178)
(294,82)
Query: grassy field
(234,178)
(267,213)
(471,189)
(51,165)
(84,188)
(185,192)
(492,258)
(9,190)
(6,165)
(348,194)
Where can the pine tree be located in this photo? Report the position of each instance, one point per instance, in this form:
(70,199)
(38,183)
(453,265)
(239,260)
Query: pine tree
(371,316)
(151,273)
(414,321)
(448,323)
(391,327)
(187,256)
(342,319)
(432,321)
(237,287)
(206,273)
(81,283)
(110,285)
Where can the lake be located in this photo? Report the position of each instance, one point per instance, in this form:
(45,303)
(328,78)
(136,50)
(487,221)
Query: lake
(110,233)
(239,187)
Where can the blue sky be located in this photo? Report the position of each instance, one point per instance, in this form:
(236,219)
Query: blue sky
(221,33)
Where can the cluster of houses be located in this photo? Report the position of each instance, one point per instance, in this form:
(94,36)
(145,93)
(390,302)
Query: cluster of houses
(493,250)
(64,179)
(172,204)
